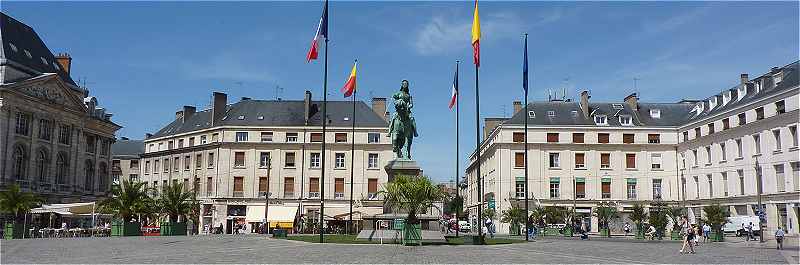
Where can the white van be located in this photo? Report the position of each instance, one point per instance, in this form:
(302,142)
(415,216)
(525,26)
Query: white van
(737,224)
(464,226)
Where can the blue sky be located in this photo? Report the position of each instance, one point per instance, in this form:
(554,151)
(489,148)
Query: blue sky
(143,60)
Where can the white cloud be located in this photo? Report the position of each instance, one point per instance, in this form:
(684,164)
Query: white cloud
(442,34)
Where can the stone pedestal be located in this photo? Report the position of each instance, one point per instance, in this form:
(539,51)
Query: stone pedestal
(402,166)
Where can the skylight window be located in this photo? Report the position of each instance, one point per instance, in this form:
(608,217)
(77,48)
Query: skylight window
(574,113)
(625,120)
(27,53)
(551,113)
(600,120)
(531,114)
(13,47)
(655,113)
(241,117)
(617,106)
(346,118)
(260,117)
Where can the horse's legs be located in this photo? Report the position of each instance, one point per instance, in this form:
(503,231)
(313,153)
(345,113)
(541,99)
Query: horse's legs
(408,142)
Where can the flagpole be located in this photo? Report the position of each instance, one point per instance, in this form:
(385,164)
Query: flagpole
(525,80)
(352,159)
(324,131)
(458,187)
(478,152)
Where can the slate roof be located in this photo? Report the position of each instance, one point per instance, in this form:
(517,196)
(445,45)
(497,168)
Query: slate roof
(127,148)
(277,113)
(569,114)
(24,38)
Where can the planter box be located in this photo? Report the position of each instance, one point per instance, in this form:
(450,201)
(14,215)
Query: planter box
(173,229)
(412,234)
(279,233)
(639,234)
(568,232)
(13,231)
(122,228)
(675,235)
(604,232)
(716,237)
(550,231)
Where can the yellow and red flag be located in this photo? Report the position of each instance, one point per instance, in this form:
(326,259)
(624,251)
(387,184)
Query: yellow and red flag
(476,37)
(350,86)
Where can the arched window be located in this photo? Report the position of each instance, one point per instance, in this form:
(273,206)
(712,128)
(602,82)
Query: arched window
(20,157)
(103,176)
(62,167)
(89,168)
(43,165)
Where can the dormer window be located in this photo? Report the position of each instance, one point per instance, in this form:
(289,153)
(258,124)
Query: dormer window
(531,114)
(27,53)
(241,117)
(55,65)
(260,117)
(699,107)
(712,103)
(655,113)
(777,78)
(574,113)
(743,90)
(726,97)
(625,120)
(617,106)
(551,113)
(13,47)
(600,120)
(44,61)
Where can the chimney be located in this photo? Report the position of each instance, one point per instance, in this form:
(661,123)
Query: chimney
(65,61)
(517,106)
(219,106)
(188,112)
(744,78)
(633,101)
(379,107)
(307,106)
(179,115)
(585,103)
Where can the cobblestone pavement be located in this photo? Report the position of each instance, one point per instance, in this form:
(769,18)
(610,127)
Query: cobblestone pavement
(258,249)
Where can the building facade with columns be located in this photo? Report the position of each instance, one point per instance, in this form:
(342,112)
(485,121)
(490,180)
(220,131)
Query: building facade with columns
(55,139)
(582,153)
(233,155)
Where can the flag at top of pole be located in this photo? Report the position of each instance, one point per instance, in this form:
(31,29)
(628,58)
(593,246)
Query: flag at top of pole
(454,93)
(476,37)
(322,32)
(350,85)
(525,67)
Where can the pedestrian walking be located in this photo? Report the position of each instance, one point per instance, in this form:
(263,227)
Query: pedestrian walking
(706,232)
(696,230)
(749,229)
(626,228)
(779,237)
(688,236)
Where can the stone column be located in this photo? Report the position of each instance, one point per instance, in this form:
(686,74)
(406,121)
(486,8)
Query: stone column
(772,220)
(792,224)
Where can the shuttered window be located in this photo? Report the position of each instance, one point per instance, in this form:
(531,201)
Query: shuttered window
(519,159)
(580,188)
(630,160)
(605,188)
(316,137)
(339,185)
(262,184)
(313,185)
(238,184)
(209,186)
(552,137)
(577,138)
(238,159)
(341,137)
(602,138)
(579,160)
(654,138)
(605,160)
(372,185)
(288,187)
(627,138)
(519,137)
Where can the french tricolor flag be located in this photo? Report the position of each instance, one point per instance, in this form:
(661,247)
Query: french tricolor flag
(322,32)
(454,93)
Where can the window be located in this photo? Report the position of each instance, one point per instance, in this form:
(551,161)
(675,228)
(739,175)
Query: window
(740,172)
(723,152)
(600,120)
(602,138)
(627,138)
(551,113)
(519,188)
(156,167)
(22,123)
(134,164)
(710,128)
(180,143)
(696,187)
(339,160)
(372,161)
(630,161)
(777,134)
(655,113)
(91,143)
(372,188)
(795,175)
(64,134)
(577,138)
(176,164)
(313,187)
(316,137)
(341,137)
(241,136)
(696,158)
(739,148)
(780,107)
(554,189)
(191,141)
(518,137)
(215,137)
(697,133)
(710,185)
(580,188)
(373,138)
(266,136)
(238,186)
(580,161)
(292,137)
(708,155)
(605,188)
(338,188)
(45,129)
(625,120)
(653,138)
(759,113)
(726,124)
(742,119)
(519,160)
(166,165)
(315,158)
(552,137)
(238,159)
(289,159)
(209,186)
(605,160)
(263,185)
(187,162)
(630,188)
(554,163)
(264,160)
(203,139)
(198,161)
(656,189)
(793,133)
(780,178)
(655,161)
(757,143)
(685,136)
(288,186)
(724,183)
(210,160)
(170,145)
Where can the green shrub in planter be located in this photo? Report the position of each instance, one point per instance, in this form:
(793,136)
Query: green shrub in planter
(173,229)
(568,231)
(604,232)
(717,237)
(13,231)
(122,228)
(412,234)
(675,235)
(639,234)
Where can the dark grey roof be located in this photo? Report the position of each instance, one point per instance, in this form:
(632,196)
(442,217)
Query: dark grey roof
(24,38)
(277,113)
(569,113)
(790,80)
(127,148)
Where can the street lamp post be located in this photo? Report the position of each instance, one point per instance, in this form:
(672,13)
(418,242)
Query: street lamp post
(266,194)
(760,208)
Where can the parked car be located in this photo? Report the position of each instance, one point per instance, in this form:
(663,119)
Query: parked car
(737,225)
(464,226)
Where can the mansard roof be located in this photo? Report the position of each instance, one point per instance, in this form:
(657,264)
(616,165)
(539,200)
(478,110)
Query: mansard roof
(23,49)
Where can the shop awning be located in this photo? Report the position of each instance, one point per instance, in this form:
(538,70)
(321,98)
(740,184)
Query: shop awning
(67,208)
(343,213)
(277,213)
(254,214)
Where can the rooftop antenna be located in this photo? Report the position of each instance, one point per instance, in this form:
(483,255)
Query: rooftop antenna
(278,92)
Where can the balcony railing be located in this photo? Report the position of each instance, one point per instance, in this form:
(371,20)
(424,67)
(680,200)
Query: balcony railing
(372,196)
(314,195)
(338,195)
(209,193)
(288,194)
(238,194)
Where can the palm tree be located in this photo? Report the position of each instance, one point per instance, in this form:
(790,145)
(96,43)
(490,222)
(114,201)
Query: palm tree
(18,203)
(716,216)
(606,212)
(412,194)
(174,201)
(514,216)
(638,216)
(537,216)
(127,200)
(675,213)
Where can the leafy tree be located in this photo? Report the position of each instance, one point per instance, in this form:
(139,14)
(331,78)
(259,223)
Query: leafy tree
(18,203)
(127,200)
(606,212)
(412,194)
(716,216)
(514,216)
(175,201)
(658,217)
(537,216)
(638,216)
(454,205)
(554,214)
(675,213)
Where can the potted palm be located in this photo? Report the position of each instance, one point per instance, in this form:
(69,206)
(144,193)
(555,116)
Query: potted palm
(639,216)
(413,195)
(553,215)
(658,218)
(569,219)
(18,203)
(128,199)
(606,212)
(537,217)
(675,213)
(514,216)
(175,202)
(716,216)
